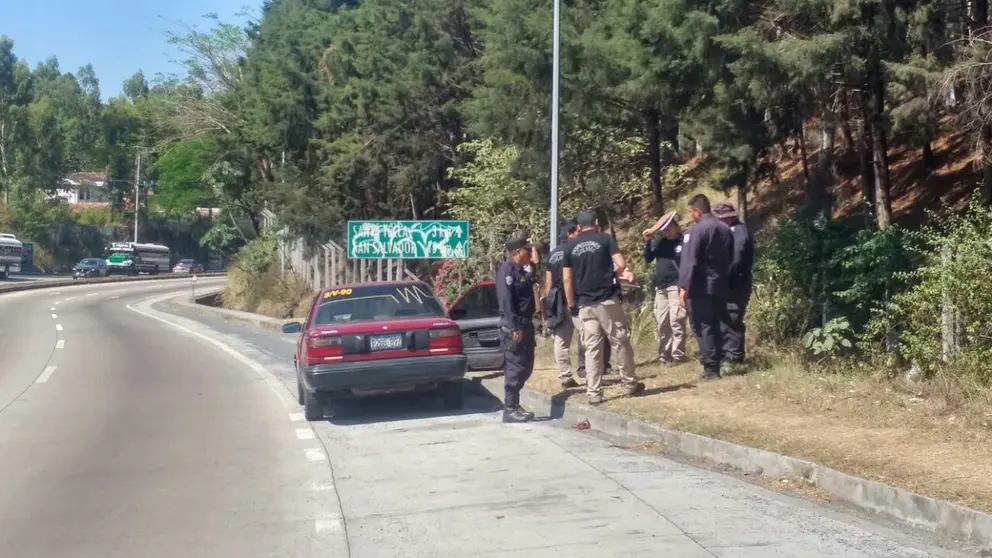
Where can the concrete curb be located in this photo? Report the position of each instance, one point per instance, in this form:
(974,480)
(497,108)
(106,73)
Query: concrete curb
(913,509)
(36,285)
(248,318)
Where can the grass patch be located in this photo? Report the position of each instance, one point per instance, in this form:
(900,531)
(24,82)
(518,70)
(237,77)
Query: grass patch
(928,437)
(269,293)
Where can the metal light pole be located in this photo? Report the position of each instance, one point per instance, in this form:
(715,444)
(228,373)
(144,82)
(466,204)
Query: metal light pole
(554,127)
(137,181)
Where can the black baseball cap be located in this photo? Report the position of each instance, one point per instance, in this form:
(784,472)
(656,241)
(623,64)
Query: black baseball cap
(586,218)
(515,244)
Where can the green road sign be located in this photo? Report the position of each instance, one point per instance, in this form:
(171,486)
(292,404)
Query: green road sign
(408,240)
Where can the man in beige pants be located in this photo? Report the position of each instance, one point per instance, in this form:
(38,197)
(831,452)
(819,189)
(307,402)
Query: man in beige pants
(669,314)
(590,265)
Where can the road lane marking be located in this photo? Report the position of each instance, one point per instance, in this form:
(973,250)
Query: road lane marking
(52,309)
(315,454)
(60,344)
(115,297)
(68,299)
(321,486)
(55,316)
(45,375)
(92,294)
(58,327)
(327,526)
(296,417)
(304,433)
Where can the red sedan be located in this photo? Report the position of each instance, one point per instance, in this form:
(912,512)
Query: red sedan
(376,338)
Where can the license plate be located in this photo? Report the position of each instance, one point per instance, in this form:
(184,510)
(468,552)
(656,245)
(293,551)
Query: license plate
(386,342)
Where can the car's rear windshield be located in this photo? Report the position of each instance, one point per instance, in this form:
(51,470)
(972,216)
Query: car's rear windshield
(364,304)
(90,261)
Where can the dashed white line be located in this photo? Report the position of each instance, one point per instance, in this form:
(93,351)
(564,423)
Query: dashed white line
(58,327)
(45,375)
(92,294)
(115,297)
(55,316)
(296,417)
(52,309)
(327,526)
(60,344)
(304,433)
(70,298)
(315,454)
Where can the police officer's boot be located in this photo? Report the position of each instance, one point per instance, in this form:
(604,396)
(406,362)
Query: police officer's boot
(517,414)
(513,412)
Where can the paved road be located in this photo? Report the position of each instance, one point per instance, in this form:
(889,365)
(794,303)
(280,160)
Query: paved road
(155,432)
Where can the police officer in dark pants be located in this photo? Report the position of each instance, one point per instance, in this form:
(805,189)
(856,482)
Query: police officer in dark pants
(741,278)
(704,282)
(515,292)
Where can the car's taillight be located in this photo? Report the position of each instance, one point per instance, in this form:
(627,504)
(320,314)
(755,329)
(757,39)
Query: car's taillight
(324,349)
(447,340)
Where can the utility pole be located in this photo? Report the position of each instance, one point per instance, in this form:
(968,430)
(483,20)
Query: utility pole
(554,126)
(137,181)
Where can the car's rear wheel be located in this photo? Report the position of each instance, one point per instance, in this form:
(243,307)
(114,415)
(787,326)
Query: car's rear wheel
(299,391)
(454,397)
(313,407)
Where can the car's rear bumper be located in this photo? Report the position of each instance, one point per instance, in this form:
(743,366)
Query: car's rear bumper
(343,378)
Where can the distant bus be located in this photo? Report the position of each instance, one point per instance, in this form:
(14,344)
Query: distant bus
(10,255)
(131,258)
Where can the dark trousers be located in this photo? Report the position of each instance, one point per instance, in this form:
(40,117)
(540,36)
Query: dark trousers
(733,326)
(518,365)
(706,315)
(582,357)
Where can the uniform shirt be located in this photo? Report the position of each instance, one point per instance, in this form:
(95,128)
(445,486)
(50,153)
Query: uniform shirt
(742,264)
(666,254)
(590,256)
(706,257)
(556,265)
(515,293)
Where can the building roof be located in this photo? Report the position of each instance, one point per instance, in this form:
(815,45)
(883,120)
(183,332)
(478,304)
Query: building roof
(91,176)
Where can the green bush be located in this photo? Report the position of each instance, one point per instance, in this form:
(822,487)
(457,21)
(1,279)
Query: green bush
(955,275)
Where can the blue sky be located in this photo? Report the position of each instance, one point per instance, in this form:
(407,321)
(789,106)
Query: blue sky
(118,37)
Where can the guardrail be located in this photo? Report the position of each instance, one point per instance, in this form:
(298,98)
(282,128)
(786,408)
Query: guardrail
(36,285)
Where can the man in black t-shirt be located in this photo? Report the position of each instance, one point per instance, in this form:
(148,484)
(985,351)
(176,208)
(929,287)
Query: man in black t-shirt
(565,325)
(665,251)
(590,265)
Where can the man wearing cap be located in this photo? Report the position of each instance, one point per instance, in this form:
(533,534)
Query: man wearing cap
(591,267)
(704,281)
(564,326)
(741,274)
(669,314)
(515,293)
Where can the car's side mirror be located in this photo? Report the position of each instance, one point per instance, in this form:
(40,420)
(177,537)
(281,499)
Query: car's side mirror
(292,327)
(458,313)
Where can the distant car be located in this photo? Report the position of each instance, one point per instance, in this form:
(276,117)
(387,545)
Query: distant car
(187,266)
(90,267)
(373,338)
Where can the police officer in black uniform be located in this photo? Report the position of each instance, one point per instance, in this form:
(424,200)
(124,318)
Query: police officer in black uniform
(704,282)
(515,292)
(741,279)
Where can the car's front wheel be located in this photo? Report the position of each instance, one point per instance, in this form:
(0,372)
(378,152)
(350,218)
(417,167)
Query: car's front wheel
(313,407)
(454,397)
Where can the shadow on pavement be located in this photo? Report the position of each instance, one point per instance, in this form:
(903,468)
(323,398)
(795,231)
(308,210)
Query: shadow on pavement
(408,406)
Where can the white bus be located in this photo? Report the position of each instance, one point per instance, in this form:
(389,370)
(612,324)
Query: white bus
(11,253)
(133,258)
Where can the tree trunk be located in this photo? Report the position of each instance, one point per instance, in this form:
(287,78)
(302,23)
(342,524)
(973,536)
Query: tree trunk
(819,197)
(653,136)
(845,118)
(803,154)
(865,154)
(742,194)
(929,159)
(880,156)
(985,160)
